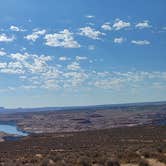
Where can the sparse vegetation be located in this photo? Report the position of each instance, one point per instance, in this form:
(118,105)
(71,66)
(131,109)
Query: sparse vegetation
(143,163)
(112,163)
(162,158)
(111,147)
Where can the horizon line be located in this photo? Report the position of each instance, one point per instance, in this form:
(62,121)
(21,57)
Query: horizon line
(89,105)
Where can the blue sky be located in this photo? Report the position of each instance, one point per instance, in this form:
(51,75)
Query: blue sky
(61,53)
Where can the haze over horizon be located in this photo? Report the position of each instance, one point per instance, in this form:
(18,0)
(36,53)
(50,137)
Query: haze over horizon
(45,107)
(56,53)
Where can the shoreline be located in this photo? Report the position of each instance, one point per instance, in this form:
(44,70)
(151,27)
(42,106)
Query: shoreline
(7,136)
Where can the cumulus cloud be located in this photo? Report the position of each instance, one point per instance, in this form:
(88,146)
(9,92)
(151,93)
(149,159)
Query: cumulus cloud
(109,83)
(2,53)
(35,35)
(63,58)
(42,71)
(119,40)
(19,56)
(140,42)
(120,24)
(118,80)
(3,65)
(16,29)
(73,66)
(90,33)
(21,63)
(106,26)
(79,58)
(74,78)
(11,68)
(142,25)
(50,84)
(62,39)
(5,38)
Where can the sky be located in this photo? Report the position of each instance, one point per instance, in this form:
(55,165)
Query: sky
(82,52)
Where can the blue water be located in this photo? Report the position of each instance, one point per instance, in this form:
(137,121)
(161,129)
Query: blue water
(11,129)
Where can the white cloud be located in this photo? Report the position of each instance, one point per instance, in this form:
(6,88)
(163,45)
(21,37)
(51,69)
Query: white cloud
(39,64)
(140,42)
(5,38)
(35,35)
(62,39)
(109,83)
(91,33)
(2,53)
(90,23)
(90,16)
(16,29)
(41,71)
(142,25)
(63,58)
(106,26)
(19,56)
(74,78)
(79,58)
(50,84)
(27,62)
(11,68)
(11,71)
(44,72)
(118,80)
(119,24)
(3,65)
(73,66)
(35,71)
(119,40)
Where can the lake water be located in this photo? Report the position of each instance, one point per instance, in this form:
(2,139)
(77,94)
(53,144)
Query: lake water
(11,129)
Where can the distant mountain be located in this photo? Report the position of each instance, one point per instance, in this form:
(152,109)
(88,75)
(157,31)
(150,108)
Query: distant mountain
(2,109)
(79,108)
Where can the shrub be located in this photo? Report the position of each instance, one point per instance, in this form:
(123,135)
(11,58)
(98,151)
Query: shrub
(131,157)
(84,161)
(55,157)
(112,163)
(161,158)
(44,162)
(143,163)
(146,154)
